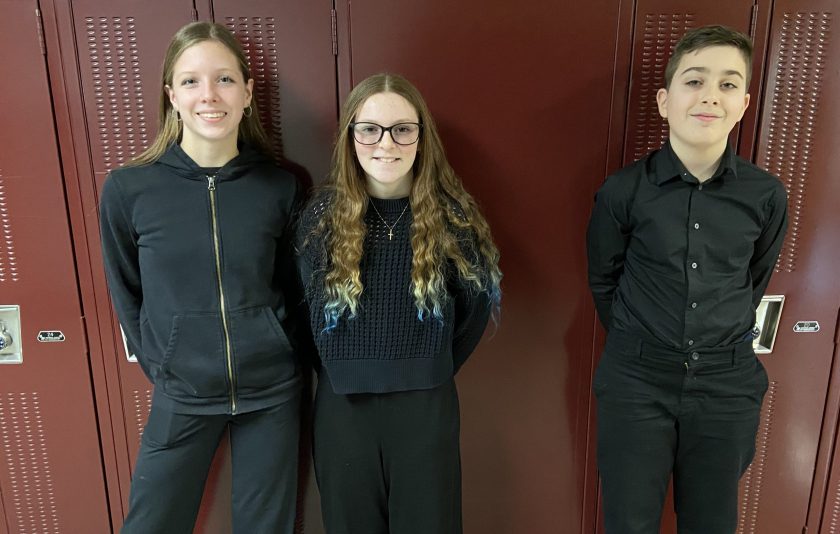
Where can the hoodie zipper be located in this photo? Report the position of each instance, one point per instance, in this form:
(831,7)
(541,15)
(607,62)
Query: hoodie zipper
(211,188)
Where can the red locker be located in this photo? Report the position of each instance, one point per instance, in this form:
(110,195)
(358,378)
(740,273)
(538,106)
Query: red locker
(536,102)
(48,428)
(783,133)
(522,94)
(107,77)
(797,139)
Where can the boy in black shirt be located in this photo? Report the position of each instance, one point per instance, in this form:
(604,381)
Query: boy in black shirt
(681,247)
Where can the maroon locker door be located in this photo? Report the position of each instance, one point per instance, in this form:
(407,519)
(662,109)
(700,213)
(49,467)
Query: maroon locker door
(50,444)
(289,45)
(522,96)
(798,139)
(658,25)
(111,55)
(290,49)
(110,69)
(786,459)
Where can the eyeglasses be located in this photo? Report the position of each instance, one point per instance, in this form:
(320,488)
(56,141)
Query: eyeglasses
(370,133)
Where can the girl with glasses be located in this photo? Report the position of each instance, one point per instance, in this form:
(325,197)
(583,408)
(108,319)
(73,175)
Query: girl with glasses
(400,275)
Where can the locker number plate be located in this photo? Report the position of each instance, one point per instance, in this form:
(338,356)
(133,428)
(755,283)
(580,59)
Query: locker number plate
(806,326)
(50,336)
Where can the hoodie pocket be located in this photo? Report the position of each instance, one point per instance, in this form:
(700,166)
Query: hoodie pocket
(262,354)
(194,362)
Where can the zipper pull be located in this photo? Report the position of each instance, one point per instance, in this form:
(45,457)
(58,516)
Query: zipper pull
(211,182)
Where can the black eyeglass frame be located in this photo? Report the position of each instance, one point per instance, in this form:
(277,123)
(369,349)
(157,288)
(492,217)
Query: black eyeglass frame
(384,129)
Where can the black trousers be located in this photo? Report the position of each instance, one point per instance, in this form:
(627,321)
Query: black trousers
(694,415)
(175,456)
(388,463)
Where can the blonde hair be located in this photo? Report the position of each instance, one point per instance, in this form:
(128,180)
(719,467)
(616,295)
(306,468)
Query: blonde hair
(169,127)
(447,227)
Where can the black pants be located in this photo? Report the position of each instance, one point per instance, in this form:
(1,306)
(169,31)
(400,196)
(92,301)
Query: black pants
(692,414)
(175,455)
(388,463)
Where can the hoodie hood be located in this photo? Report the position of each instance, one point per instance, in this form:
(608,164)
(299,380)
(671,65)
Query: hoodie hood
(181,164)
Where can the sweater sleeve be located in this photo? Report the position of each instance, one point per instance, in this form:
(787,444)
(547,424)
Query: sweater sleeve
(472,308)
(472,312)
(305,266)
(122,267)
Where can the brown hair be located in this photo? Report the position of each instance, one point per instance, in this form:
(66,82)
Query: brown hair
(169,127)
(704,37)
(441,208)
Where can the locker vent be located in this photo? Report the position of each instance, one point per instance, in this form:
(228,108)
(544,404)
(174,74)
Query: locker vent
(753,478)
(26,458)
(142,406)
(118,95)
(258,36)
(834,520)
(659,36)
(797,89)
(8,261)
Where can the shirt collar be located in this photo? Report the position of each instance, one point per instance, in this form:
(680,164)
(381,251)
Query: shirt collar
(666,166)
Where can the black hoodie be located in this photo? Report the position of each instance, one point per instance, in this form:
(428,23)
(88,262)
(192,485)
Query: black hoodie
(201,276)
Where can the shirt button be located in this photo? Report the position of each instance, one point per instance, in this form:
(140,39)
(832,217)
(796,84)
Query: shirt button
(693,305)
(696,226)
(695,356)
(694,265)
(690,343)
(700,187)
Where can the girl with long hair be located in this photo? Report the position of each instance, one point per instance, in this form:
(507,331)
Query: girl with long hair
(196,249)
(400,274)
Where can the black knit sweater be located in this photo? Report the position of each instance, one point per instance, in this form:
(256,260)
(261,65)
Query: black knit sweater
(386,347)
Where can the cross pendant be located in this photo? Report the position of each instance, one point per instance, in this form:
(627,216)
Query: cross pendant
(390,234)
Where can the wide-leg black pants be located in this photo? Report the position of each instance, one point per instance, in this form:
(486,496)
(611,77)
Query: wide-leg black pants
(694,414)
(388,463)
(175,456)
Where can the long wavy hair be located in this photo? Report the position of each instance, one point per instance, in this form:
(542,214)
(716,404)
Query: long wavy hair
(169,127)
(447,227)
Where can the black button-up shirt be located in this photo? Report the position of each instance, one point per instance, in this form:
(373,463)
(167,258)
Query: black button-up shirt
(682,263)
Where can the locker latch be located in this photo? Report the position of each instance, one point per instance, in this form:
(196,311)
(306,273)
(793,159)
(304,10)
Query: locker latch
(767,317)
(10,340)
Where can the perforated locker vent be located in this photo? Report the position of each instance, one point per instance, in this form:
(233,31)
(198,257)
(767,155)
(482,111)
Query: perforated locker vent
(118,97)
(659,36)
(27,460)
(8,259)
(796,93)
(834,512)
(142,406)
(258,36)
(754,477)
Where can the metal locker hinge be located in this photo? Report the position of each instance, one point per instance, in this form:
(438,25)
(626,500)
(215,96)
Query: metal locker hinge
(39,22)
(334,23)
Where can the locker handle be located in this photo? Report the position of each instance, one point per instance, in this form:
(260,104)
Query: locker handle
(767,317)
(11,350)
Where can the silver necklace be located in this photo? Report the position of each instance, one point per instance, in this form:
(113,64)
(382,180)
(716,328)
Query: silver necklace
(390,227)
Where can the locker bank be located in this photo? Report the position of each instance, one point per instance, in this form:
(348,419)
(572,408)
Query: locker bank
(537,102)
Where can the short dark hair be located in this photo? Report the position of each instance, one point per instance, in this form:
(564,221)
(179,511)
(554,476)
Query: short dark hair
(704,37)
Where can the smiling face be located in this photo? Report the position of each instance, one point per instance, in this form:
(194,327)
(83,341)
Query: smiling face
(706,98)
(210,93)
(388,166)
